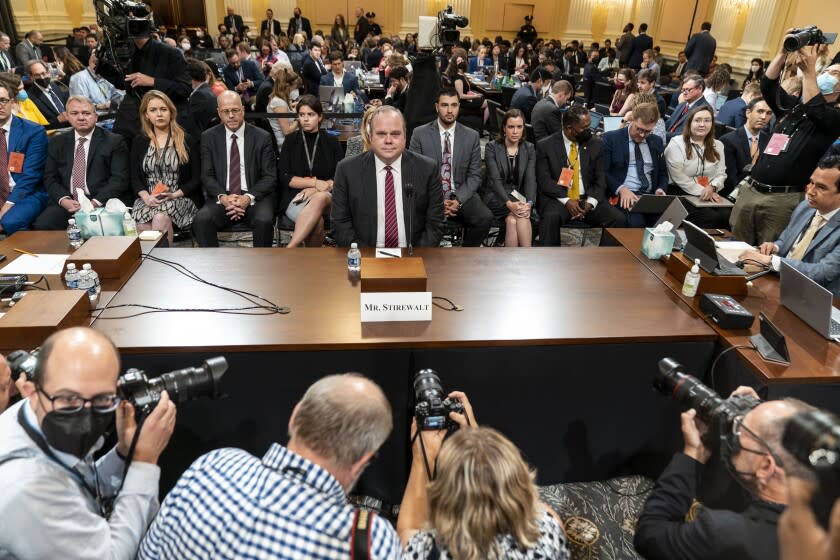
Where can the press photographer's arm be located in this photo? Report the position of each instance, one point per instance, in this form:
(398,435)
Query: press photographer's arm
(58,502)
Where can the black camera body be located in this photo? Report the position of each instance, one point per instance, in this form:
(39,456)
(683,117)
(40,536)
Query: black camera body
(448,22)
(806,36)
(717,413)
(432,407)
(121,22)
(814,439)
(182,385)
(22,362)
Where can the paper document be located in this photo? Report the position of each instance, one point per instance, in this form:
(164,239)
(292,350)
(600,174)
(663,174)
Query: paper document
(731,250)
(37,265)
(393,253)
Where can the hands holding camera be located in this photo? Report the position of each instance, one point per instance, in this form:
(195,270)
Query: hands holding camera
(693,428)
(433,439)
(154,434)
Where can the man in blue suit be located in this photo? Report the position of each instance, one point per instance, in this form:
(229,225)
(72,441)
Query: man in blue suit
(242,76)
(634,163)
(811,241)
(23,152)
(338,76)
(692,94)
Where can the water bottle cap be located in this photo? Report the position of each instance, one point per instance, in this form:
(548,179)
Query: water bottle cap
(71,266)
(86,266)
(83,273)
(71,222)
(354,245)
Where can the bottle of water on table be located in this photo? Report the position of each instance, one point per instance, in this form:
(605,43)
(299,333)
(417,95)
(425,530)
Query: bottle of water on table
(86,284)
(354,258)
(129,225)
(94,277)
(71,277)
(74,234)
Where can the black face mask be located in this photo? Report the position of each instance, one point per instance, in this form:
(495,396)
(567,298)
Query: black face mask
(584,136)
(77,432)
(43,82)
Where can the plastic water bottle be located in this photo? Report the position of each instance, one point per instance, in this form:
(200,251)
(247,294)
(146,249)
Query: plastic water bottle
(94,277)
(71,277)
(74,234)
(692,280)
(86,284)
(129,225)
(354,258)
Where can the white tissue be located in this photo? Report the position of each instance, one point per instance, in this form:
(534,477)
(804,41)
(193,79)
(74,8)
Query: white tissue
(85,205)
(664,227)
(115,205)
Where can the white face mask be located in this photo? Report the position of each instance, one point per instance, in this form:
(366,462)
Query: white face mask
(755,67)
(294,94)
(199,33)
(185,46)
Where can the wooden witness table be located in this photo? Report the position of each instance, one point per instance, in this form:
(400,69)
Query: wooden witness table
(813,358)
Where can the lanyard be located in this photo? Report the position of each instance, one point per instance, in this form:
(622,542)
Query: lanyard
(310,160)
(701,166)
(105,505)
(160,157)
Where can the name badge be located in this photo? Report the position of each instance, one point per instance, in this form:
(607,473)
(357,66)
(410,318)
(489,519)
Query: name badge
(16,162)
(565,179)
(778,143)
(702,180)
(377,307)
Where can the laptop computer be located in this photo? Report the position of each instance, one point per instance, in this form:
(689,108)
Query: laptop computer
(332,97)
(612,123)
(652,203)
(810,302)
(352,65)
(701,245)
(770,342)
(675,213)
(595,124)
(695,201)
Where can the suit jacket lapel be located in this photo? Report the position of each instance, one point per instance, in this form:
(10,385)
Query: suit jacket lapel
(407,177)
(14,132)
(369,185)
(95,144)
(223,157)
(824,232)
(522,164)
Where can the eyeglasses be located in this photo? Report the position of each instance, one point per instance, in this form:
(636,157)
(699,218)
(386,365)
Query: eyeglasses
(687,89)
(68,404)
(642,131)
(230,111)
(4,101)
(737,426)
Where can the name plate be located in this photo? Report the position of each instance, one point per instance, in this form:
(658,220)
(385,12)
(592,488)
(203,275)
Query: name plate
(378,307)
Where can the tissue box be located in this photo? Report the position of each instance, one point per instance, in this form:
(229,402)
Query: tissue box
(656,245)
(99,223)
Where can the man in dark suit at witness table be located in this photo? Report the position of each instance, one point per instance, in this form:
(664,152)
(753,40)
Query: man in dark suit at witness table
(371,202)
(570,179)
(239,174)
(90,161)
(456,150)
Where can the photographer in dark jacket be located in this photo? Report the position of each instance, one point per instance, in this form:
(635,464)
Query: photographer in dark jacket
(153,65)
(761,464)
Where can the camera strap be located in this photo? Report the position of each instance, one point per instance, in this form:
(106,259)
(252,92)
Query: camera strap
(362,535)
(39,440)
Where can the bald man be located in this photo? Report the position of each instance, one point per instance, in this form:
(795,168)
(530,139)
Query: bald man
(239,175)
(59,504)
(762,464)
(292,502)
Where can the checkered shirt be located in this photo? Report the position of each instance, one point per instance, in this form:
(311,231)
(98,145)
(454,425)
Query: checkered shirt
(231,504)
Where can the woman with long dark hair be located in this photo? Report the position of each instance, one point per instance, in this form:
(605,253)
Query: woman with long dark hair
(307,163)
(339,37)
(165,165)
(755,74)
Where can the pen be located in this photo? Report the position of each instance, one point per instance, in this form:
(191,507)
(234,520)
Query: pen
(22,252)
(386,253)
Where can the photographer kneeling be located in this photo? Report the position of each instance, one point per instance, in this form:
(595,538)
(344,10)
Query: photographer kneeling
(57,502)
(754,454)
(481,501)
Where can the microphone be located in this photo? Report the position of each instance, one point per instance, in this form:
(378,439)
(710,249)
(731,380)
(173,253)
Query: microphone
(16,281)
(408,189)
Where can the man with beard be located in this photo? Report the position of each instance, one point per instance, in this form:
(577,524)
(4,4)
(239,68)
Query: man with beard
(292,502)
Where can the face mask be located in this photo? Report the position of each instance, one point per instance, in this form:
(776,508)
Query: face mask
(826,82)
(43,82)
(76,433)
(619,85)
(294,94)
(755,67)
(199,33)
(462,66)
(185,46)
(22,95)
(583,137)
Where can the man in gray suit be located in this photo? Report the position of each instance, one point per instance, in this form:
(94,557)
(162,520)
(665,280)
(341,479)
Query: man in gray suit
(456,150)
(375,192)
(29,48)
(811,241)
(239,176)
(700,49)
(547,115)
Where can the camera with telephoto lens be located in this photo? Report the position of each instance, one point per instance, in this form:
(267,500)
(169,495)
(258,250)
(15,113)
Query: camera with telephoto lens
(432,406)
(121,21)
(448,23)
(717,413)
(814,439)
(805,36)
(182,385)
(23,362)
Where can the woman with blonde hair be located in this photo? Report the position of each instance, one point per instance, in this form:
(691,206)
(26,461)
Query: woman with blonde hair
(165,166)
(482,503)
(282,101)
(360,144)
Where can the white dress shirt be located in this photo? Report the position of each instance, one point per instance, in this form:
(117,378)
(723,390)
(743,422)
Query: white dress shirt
(582,187)
(5,62)
(775,260)
(396,172)
(338,81)
(240,142)
(684,171)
